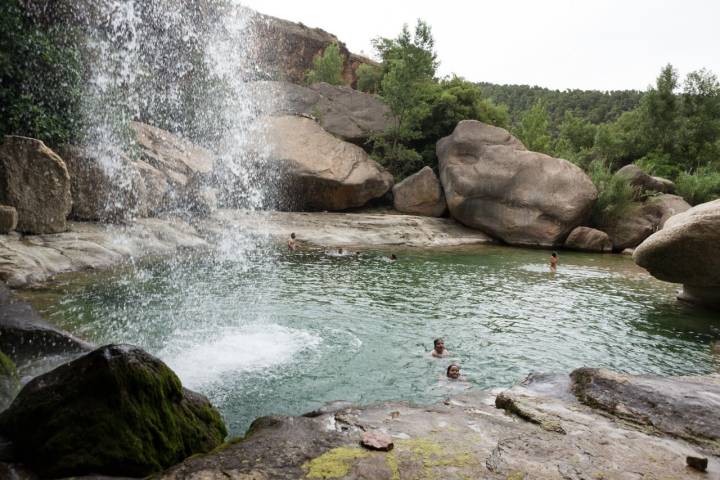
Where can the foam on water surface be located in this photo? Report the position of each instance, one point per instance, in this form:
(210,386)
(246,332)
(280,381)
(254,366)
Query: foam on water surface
(202,358)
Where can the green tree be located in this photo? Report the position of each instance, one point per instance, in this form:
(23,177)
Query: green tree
(369,78)
(533,129)
(407,87)
(327,67)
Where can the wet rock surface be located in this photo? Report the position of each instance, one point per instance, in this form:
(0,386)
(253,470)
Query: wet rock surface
(25,336)
(114,411)
(493,183)
(35,181)
(463,437)
(685,407)
(344,229)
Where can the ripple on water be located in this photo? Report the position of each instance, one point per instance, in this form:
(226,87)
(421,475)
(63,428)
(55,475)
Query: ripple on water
(280,333)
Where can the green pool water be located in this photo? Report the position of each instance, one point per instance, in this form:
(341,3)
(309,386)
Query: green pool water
(267,332)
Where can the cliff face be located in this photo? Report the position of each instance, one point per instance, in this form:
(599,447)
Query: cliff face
(287,49)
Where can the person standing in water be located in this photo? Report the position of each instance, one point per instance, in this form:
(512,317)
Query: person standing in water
(292,245)
(439,350)
(553,262)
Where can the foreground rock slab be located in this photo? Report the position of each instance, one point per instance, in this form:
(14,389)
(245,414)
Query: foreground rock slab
(115,411)
(493,183)
(686,407)
(546,437)
(343,229)
(687,251)
(30,260)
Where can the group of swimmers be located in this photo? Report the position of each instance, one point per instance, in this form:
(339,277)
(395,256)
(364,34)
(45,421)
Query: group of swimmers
(339,252)
(292,246)
(439,351)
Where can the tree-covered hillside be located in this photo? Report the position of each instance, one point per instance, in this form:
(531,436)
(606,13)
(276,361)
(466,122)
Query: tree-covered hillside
(592,105)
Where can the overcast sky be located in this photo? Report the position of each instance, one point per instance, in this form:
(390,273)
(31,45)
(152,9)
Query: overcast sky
(605,45)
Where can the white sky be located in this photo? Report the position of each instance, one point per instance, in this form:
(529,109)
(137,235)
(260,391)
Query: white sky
(605,45)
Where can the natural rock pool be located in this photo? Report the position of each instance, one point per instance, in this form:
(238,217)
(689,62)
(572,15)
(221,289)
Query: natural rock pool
(286,333)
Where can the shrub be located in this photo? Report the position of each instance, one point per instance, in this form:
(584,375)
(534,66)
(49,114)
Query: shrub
(615,195)
(699,187)
(327,67)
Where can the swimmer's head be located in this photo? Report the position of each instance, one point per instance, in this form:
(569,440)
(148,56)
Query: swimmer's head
(439,344)
(393,257)
(339,250)
(554,254)
(292,235)
(453,371)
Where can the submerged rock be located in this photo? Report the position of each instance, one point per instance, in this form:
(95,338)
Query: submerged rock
(687,251)
(586,239)
(420,194)
(320,172)
(115,411)
(25,336)
(684,407)
(35,181)
(493,183)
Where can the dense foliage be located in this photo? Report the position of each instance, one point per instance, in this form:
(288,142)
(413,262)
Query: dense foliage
(425,108)
(327,67)
(40,78)
(591,105)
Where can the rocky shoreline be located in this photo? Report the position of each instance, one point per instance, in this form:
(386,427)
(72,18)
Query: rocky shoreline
(32,259)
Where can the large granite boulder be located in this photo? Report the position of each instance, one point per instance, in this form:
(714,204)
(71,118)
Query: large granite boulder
(687,251)
(642,220)
(112,186)
(346,113)
(685,407)
(493,183)
(35,181)
(105,186)
(420,194)
(644,182)
(175,157)
(318,171)
(586,239)
(116,411)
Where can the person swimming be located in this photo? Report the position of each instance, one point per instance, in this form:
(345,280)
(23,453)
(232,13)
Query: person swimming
(553,262)
(392,257)
(292,244)
(439,348)
(453,372)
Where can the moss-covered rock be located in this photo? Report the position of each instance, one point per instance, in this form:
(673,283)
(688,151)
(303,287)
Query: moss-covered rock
(117,410)
(9,381)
